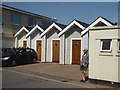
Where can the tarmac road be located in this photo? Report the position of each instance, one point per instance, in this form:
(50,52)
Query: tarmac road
(13,79)
(45,75)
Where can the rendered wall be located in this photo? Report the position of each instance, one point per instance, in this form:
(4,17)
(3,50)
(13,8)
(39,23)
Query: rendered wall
(103,65)
(8,43)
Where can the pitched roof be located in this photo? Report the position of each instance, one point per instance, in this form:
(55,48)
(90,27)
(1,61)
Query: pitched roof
(40,28)
(80,24)
(28,28)
(107,20)
(61,25)
(44,27)
(94,23)
(23,28)
(56,25)
(26,12)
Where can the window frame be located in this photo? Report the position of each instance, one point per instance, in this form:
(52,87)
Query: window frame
(14,18)
(118,42)
(33,21)
(101,43)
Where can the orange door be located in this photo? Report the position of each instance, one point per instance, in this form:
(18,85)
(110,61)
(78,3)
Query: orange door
(39,50)
(76,51)
(55,50)
(24,44)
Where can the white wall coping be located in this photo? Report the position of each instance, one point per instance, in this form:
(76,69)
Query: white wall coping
(104,27)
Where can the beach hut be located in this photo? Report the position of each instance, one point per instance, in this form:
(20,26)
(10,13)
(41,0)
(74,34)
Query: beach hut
(52,42)
(35,41)
(20,37)
(71,42)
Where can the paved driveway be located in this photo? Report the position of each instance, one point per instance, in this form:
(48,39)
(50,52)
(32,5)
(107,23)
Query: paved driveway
(55,71)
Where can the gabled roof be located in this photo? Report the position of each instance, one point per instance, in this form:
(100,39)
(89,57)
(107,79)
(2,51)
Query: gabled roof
(56,25)
(80,24)
(22,29)
(28,28)
(44,27)
(98,20)
(35,28)
(61,25)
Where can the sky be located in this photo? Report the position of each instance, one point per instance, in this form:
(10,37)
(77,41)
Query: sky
(65,12)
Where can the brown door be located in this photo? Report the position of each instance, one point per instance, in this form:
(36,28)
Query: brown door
(24,44)
(76,51)
(55,50)
(39,50)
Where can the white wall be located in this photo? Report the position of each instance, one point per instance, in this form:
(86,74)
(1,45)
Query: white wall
(43,53)
(28,41)
(103,65)
(62,45)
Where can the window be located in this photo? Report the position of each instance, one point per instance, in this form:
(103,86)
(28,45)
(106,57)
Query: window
(15,18)
(31,21)
(46,23)
(119,45)
(106,45)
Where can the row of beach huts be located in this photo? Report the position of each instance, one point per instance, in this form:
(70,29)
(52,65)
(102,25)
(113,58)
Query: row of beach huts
(58,43)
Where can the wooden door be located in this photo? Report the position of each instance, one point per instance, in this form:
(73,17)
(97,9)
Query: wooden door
(24,44)
(38,48)
(55,50)
(76,51)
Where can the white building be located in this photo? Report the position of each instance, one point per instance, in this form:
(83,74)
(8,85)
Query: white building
(104,53)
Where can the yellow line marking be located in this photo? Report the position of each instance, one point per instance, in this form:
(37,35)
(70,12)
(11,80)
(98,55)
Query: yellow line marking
(46,78)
